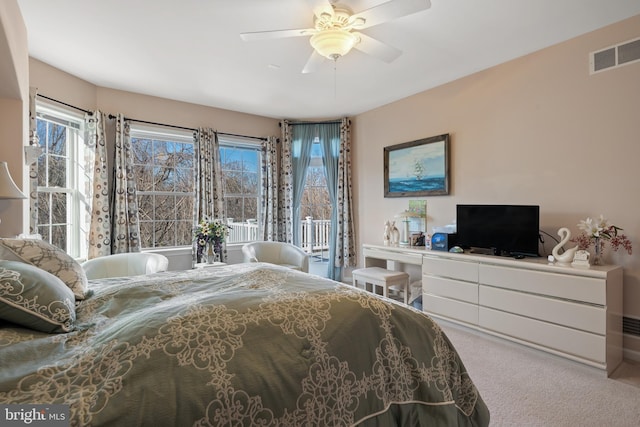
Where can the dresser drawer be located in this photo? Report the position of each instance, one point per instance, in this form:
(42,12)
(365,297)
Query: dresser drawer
(453,269)
(455,310)
(579,316)
(463,291)
(570,341)
(576,288)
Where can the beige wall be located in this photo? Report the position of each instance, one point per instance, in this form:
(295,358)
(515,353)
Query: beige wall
(536,130)
(14,110)
(62,86)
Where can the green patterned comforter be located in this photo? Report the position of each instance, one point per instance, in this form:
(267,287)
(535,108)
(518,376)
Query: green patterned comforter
(246,344)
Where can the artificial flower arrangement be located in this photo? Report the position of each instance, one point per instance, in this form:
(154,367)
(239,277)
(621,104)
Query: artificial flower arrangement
(210,233)
(597,232)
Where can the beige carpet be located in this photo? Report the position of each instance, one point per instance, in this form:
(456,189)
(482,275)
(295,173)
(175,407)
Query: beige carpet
(527,387)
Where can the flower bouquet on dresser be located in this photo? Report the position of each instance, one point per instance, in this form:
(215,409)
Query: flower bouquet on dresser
(209,237)
(597,233)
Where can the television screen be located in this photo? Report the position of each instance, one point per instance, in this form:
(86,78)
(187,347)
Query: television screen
(503,229)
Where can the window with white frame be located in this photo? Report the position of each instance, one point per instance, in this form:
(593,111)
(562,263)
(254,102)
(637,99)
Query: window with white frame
(241,175)
(63,212)
(164,168)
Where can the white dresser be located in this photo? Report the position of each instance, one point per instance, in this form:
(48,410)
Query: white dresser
(571,312)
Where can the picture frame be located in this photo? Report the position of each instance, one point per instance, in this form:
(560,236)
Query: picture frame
(417,168)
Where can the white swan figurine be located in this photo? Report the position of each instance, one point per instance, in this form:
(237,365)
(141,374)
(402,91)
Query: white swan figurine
(567,256)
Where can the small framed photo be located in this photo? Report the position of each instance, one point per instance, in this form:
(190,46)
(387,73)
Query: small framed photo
(417,168)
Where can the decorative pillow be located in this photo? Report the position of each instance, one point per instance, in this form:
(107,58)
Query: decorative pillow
(49,258)
(33,298)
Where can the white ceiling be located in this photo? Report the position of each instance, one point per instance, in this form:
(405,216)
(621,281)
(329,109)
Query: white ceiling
(190,50)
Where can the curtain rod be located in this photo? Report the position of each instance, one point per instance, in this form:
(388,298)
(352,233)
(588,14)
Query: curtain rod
(111,116)
(65,104)
(330,122)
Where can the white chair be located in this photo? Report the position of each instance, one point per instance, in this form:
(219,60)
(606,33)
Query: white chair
(279,253)
(125,265)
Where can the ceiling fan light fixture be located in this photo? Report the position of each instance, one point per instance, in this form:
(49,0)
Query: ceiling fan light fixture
(333,43)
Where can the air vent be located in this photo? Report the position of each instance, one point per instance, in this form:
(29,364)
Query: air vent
(631,326)
(615,56)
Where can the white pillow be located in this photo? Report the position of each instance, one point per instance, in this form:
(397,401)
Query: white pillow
(48,258)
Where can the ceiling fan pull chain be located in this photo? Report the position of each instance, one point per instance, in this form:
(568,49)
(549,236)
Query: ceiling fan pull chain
(335,79)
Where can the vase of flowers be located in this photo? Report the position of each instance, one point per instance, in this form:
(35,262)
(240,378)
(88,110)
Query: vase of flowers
(209,236)
(597,233)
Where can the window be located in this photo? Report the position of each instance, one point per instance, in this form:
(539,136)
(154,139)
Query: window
(240,161)
(164,168)
(315,206)
(63,213)
(164,164)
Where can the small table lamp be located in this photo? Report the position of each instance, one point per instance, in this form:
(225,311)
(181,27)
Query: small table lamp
(406,214)
(8,188)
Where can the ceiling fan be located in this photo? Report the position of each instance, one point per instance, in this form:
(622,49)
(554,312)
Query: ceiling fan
(337,30)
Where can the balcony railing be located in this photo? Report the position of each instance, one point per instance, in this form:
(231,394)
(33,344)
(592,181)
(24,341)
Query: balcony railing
(314,233)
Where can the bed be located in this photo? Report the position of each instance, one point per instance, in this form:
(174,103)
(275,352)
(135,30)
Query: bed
(247,344)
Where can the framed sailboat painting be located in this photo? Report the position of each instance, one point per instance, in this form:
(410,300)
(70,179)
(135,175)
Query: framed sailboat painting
(417,168)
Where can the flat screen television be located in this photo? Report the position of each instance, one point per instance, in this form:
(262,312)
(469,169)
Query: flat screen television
(510,230)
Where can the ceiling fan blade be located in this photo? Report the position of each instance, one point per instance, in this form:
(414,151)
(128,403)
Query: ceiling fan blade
(321,6)
(314,61)
(387,11)
(276,34)
(377,49)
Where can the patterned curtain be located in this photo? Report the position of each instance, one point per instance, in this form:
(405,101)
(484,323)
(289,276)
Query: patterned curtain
(272,213)
(33,169)
(345,255)
(125,227)
(209,201)
(285,188)
(98,191)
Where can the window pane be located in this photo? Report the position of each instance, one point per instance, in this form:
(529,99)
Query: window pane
(44,208)
(251,208)
(59,208)
(59,236)
(234,208)
(144,177)
(232,182)
(164,233)
(145,207)
(184,180)
(163,178)
(42,171)
(57,171)
(43,230)
(142,151)
(184,208)
(57,139)
(146,234)
(184,232)
(184,156)
(250,183)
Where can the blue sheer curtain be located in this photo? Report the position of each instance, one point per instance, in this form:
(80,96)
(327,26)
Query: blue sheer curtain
(329,135)
(301,142)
